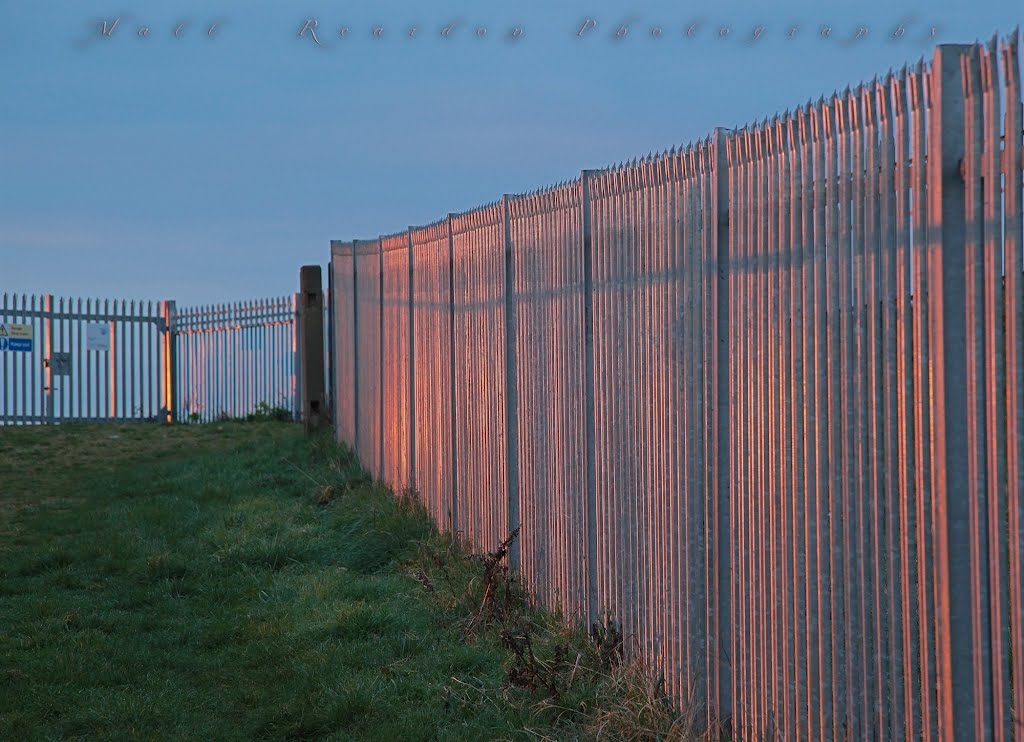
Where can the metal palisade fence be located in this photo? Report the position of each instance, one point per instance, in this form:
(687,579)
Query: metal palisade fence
(760,400)
(64,360)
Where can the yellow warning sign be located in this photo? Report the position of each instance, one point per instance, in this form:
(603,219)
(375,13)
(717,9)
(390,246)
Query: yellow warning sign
(11,330)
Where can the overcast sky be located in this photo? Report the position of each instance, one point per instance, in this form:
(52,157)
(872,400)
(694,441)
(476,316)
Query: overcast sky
(208,166)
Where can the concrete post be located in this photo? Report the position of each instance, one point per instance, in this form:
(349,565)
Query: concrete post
(329,329)
(311,347)
(964,709)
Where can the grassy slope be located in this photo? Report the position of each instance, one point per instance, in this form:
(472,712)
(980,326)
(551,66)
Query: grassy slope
(183,583)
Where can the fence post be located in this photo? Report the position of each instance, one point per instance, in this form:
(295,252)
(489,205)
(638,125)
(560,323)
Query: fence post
(311,346)
(962,662)
(380,356)
(48,355)
(511,389)
(355,349)
(169,358)
(454,514)
(588,403)
(296,355)
(412,372)
(720,662)
(329,329)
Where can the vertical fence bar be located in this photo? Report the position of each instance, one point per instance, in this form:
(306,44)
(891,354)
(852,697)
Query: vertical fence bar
(114,357)
(355,349)
(1013,299)
(720,662)
(48,356)
(995,382)
(168,363)
(511,387)
(452,350)
(975,362)
(588,356)
(411,369)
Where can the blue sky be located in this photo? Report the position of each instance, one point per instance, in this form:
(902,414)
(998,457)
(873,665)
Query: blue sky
(209,169)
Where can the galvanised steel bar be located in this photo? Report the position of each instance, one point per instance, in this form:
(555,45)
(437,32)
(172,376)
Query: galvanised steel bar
(975,352)
(860,463)
(994,366)
(411,444)
(511,388)
(908,544)
(48,343)
(888,609)
(1013,405)
(791,691)
(595,573)
(919,87)
(719,486)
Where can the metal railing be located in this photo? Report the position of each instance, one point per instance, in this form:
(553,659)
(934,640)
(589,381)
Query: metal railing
(65,360)
(761,400)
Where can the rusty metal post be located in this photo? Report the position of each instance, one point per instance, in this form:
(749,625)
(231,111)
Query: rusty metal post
(311,347)
(167,357)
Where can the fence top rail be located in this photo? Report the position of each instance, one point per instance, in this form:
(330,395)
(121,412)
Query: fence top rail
(393,242)
(341,248)
(240,307)
(436,232)
(491,215)
(436,224)
(47,306)
(367,247)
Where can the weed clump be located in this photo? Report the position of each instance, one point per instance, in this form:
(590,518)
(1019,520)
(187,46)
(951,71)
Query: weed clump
(576,680)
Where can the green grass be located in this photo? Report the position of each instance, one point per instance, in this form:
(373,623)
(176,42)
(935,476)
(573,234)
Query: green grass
(244,581)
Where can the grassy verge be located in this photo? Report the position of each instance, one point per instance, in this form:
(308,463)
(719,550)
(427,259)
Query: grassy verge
(241,581)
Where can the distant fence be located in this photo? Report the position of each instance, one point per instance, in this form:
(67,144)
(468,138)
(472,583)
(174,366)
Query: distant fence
(65,360)
(761,400)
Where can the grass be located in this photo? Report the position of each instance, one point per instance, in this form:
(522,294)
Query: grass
(244,581)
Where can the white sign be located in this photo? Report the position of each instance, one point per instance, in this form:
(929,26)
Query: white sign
(97,337)
(11,330)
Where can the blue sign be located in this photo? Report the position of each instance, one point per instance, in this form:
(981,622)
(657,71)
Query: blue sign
(22,344)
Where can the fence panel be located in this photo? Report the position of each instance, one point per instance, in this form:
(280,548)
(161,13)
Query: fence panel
(545,231)
(365,394)
(432,383)
(760,402)
(232,358)
(478,271)
(396,360)
(81,360)
(343,331)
